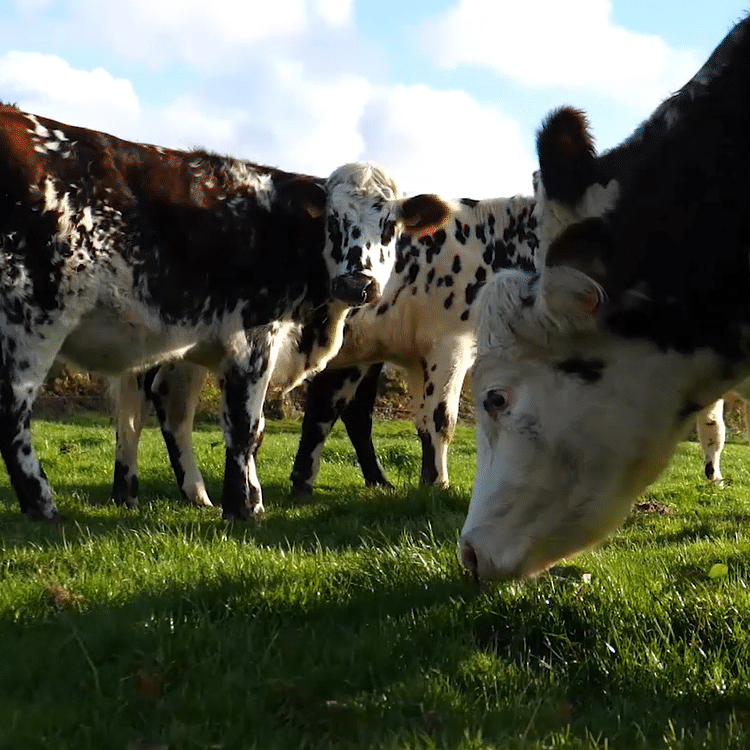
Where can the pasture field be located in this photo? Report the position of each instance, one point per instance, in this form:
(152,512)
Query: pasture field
(346,621)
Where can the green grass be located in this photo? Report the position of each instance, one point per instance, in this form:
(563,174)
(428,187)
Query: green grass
(346,621)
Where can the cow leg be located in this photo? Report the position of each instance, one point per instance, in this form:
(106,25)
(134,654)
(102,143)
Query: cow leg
(175,390)
(746,413)
(327,394)
(711,434)
(243,386)
(436,408)
(129,405)
(21,375)
(357,418)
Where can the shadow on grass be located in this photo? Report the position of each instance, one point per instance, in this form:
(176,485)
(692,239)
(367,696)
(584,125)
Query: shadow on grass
(229,662)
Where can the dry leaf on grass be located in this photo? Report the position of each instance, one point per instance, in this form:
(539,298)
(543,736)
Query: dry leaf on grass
(63,598)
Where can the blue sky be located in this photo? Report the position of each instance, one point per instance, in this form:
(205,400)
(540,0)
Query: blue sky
(446,94)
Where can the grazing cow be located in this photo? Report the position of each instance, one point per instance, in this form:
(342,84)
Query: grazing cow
(424,322)
(589,372)
(712,431)
(117,256)
(363,214)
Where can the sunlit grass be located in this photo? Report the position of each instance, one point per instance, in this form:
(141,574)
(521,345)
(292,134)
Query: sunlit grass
(345,621)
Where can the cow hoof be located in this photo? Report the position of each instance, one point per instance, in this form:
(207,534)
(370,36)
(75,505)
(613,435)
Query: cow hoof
(384,483)
(35,514)
(243,514)
(202,500)
(125,502)
(302,491)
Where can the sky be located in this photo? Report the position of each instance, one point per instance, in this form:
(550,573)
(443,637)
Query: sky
(447,95)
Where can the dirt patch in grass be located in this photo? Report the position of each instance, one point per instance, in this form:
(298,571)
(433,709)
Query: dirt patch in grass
(648,507)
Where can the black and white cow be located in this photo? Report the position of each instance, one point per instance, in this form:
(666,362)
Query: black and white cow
(363,213)
(117,256)
(424,323)
(589,372)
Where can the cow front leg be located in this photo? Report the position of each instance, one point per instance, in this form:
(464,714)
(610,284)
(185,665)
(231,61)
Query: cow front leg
(436,411)
(711,435)
(175,390)
(243,386)
(20,380)
(129,406)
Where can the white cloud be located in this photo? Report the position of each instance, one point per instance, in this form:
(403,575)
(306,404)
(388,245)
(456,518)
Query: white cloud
(547,43)
(431,141)
(48,85)
(335,12)
(205,35)
(445,142)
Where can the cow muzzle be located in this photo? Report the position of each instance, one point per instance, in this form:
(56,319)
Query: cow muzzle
(355,289)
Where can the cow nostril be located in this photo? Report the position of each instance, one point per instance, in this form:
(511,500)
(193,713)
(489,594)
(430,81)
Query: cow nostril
(469,559)
(372,291)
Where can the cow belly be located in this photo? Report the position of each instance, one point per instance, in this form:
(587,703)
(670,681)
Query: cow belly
(111,346)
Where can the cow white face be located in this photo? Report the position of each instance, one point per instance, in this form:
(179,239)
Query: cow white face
(360,232)
(572,421)
(364,216)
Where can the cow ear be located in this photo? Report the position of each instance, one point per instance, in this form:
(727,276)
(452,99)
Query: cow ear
(303,196)
(566,155)
(569,297)
(584,246)
(423,213)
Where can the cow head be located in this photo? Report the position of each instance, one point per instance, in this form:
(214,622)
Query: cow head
(363,214)
(588,372)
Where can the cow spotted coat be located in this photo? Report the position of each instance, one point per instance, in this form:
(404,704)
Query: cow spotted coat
(424,323)
(116,256)
(363,217)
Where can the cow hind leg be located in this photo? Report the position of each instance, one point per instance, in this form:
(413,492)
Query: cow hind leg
(175,390)
(327,395)
(357,418)
(129,406)
(711,434)
(21,376)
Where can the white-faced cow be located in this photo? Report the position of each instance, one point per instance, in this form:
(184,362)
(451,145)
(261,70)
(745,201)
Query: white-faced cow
(589,372)
(363,212)
(117,256)
(424,322)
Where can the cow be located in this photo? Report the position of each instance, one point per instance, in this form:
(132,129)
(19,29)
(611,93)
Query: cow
(711,432)
(590,371)
(424,323)
(365,216)
(118,256)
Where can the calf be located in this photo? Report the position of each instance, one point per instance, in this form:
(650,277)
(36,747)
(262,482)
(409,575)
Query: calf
(589,372)
(117,256)
(424,322)
(363,214)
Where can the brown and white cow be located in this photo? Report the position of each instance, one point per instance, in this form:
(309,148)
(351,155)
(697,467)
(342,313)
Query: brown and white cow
(117,256)
(589,372)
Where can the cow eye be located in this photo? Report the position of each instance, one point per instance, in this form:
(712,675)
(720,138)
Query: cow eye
(496,402)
